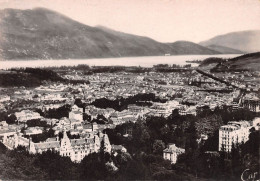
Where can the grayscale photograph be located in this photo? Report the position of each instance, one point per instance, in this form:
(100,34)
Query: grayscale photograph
(130,90)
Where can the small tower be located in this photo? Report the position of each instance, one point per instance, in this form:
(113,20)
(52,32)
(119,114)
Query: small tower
(31,146)
(15,141)
(5,138)
(107,143)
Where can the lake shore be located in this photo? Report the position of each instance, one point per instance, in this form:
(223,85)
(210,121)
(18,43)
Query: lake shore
(125,61)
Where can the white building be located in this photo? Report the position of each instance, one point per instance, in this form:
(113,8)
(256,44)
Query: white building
(171,153)
(77,115)
(232,133)
(76,149)
(256,123)
(26,115)
(33,130)
(4,98)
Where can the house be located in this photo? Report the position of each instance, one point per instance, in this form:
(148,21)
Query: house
(87,128)
(75,124)
(256,123)
(78,115)
(118,148)
(171,153)
(3,125)
(76,108)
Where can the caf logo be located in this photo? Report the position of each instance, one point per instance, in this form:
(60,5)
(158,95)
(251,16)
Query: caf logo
(249,175)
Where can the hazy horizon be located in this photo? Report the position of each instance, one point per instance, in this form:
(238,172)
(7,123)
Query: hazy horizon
(164,21)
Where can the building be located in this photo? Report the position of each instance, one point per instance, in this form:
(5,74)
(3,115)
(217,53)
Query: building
(4,98)
(76,149)
(33,130)
(118,148)
(77,115)
(7,137)
(171,153)
(233,133)
(256,123)
(26,115)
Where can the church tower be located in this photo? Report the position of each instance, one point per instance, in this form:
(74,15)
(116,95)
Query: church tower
(107,143)
(65,145)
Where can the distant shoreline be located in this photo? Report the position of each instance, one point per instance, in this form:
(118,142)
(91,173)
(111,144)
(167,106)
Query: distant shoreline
(91,58)
(145,61)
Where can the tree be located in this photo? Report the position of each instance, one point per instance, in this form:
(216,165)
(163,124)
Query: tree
(135,170)
(3,116)
(86,117)
(18,164)
(236,160)
(211,144)
(11,119)
(93,168)
(56,167)
(36,122)
(141,136)
(100,119)
(59,112)
(158,147)
(191,141)
(78,102)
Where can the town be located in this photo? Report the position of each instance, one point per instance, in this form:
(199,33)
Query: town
(130,90)
(108,108)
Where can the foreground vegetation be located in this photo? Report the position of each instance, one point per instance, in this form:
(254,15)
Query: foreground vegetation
(145,142)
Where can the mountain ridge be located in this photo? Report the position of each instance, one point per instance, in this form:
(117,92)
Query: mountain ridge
(41,33)
(245,41)
(224,50)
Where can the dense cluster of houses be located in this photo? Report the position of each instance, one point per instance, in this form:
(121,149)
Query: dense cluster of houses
(175,88)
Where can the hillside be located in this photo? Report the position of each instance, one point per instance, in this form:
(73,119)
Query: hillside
(248,61)
(43,34)
(185,47)
(245,41)
(32,77)
(245,62)
(224,50)
(211,60)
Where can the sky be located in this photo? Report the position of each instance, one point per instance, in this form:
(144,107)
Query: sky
(162,20)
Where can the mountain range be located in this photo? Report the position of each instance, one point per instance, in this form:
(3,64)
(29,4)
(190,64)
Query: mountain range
(44,34)
(245,41)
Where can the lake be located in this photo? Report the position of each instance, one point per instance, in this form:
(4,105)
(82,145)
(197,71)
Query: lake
(125,61)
